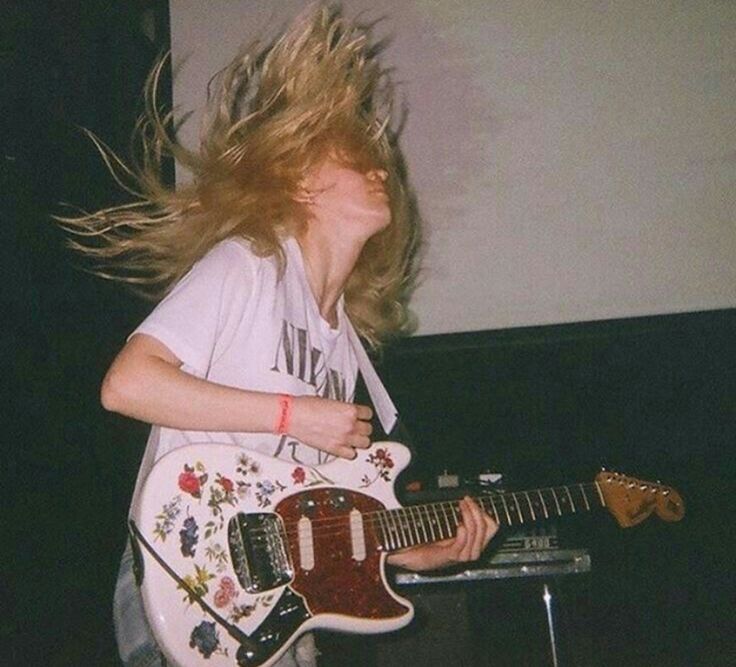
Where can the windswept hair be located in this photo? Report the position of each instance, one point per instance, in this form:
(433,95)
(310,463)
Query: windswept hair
(272,113)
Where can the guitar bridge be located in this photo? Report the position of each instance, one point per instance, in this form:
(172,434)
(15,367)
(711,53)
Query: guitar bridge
(258,551)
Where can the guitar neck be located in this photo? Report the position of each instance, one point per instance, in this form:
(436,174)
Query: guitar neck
(431,522)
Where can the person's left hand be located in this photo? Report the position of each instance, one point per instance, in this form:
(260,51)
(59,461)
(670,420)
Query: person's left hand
(473,534)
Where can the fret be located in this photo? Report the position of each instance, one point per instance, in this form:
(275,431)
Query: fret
(518,507)
(544,506)
(569,497)
(415,538)
(493,507)
(447,520)
(410,526)
(585,497)
(557,502)
(384,535)
(506,509)
(404,532)
(578,496)
(421,524)
(395,534)
(600,493)
(436,521)
(456,516)
(405,528)
(389,531)
(531,509)
(427,522)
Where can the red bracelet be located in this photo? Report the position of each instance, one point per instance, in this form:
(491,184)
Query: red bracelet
(282,420)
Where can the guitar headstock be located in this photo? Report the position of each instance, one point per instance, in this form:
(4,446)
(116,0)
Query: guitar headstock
(632,500)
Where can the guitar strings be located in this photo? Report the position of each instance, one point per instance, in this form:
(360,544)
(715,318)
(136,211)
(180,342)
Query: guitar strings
(514,509)
(402,518)
(531,507)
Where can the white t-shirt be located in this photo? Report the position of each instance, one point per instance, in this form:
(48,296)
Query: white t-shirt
(232,320)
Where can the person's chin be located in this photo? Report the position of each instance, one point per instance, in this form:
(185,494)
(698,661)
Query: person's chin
(380,226)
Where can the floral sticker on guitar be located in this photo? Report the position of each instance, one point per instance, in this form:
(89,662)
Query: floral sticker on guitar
(382,461)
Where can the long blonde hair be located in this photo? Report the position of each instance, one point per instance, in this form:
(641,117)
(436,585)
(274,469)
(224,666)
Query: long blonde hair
(274,114)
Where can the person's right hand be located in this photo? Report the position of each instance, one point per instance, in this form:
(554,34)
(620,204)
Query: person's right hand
(333,426)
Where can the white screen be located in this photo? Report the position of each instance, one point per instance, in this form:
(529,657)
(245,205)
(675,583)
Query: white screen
(573,160)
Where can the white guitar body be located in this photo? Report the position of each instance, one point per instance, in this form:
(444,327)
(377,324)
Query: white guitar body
(242,553)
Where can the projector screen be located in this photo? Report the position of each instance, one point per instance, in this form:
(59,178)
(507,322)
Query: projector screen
(573,161)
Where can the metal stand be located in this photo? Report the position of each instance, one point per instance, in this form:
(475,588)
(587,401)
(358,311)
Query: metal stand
(547,597)
(542,563)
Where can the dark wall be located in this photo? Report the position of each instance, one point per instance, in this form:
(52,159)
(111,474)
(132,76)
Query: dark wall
(68,467)
(652,397)
(646,393)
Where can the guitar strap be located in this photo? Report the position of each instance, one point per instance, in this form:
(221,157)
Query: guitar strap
(382,403)
(233,630)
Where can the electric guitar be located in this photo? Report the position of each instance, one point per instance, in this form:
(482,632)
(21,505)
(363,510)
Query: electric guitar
(239,553)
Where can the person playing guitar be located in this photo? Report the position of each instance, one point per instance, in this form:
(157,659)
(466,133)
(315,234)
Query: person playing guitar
(294,243)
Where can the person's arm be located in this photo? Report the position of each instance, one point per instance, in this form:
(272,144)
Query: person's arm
(145,381)
(472,537)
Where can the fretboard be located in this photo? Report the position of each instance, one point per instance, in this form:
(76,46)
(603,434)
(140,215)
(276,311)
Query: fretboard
(421,524)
